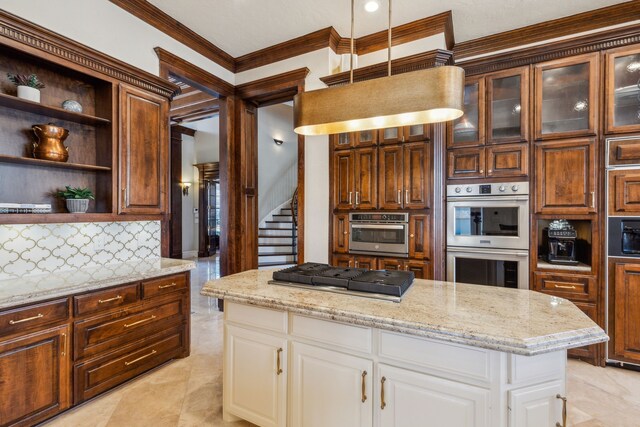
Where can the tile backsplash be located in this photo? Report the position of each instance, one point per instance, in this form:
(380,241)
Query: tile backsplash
(29,249)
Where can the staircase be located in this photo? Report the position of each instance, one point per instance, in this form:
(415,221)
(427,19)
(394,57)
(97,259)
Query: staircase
(277,239)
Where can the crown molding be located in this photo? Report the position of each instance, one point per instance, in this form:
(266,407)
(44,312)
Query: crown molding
(407,64)
(155,17)
(33,39)
(586,21)
(560,49)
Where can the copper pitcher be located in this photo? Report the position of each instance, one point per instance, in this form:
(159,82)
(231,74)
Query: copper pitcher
(50,145)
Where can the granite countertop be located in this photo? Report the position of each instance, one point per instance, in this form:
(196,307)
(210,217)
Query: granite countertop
(31,289)
(510,320)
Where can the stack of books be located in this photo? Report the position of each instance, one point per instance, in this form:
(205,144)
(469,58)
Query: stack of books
(28,208)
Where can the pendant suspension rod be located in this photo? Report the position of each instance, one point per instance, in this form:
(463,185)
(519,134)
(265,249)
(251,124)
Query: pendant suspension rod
(352,24)
(389,36)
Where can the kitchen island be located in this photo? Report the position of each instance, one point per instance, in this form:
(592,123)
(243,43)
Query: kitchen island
(448,354)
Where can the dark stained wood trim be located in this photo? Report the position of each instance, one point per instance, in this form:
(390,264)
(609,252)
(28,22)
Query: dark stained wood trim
(155,17)
(398,66)
(177,129)
(35,40)
(277,83)
(194,98)
(422,28)
(213,104)
(192,75)
(616,37)
(196,115)
(586,21)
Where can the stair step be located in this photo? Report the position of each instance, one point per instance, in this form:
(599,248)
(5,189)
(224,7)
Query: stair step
(269,245)
(277,225)
(275,264)
(279,222)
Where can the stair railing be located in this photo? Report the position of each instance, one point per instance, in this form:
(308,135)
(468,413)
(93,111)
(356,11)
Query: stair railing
(294,224)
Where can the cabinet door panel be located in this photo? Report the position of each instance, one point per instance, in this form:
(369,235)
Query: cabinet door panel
(365,138)
(410,396)
(343,186)
(507,160)
(468,130)
(366,178)
(416,133)
(466,163)
(370,263)
(421,269)
(419,241)
(624,193)
(342,141)
(341,260)
(341,233)
(390,135)
(390,264)
(417,182)
(623,91)
(557,190)
(508,106)
(35,376)
(143,152)
(566,97)
(626,339)
(536,406)
(391,179)
(327,388)
(254,388)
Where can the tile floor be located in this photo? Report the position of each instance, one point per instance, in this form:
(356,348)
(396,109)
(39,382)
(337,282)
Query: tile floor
(188,392)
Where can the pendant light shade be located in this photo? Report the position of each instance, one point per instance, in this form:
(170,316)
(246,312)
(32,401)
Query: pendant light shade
(426,96)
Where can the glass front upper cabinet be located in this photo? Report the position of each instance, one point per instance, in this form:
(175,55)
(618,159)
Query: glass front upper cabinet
(623,90)
(468,130)
(566,97)
(508,105)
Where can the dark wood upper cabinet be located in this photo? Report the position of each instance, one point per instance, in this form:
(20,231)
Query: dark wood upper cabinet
(468,130)
(366,178)
(508,106)
(565,178)
(343,175)
(397,135)
(622,112)
(342,141)
(417,175)
(506,161)
(466,163)
(36,375)
(419,241)
(144,139)
(625,312)
(390,177)
(390,135)
(365,138)
(566,97)
(341,233)
(624,193)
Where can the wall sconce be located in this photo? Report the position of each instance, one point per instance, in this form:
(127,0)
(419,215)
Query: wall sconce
(185,188)
(278,141)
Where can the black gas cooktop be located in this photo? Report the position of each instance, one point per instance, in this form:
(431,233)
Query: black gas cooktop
(379,284)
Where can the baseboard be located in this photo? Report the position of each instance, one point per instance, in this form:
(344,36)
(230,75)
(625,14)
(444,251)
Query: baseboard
(189,254)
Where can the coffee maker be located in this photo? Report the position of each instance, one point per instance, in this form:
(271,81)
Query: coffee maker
(561,238)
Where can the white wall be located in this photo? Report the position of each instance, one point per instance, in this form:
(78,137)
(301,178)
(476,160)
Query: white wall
(277,164)
(207,139)
(189,174)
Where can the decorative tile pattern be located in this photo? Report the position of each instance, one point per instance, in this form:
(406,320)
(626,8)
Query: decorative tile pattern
(30,249)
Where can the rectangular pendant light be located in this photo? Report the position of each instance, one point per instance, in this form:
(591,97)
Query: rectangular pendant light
(424,96)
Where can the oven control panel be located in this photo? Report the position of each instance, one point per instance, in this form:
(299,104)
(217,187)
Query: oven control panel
(496,189)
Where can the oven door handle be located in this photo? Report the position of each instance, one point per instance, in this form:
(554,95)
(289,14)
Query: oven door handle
(485,250)
(489,199)
(379,227)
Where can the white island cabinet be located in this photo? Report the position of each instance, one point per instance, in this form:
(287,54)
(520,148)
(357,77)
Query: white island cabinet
(304,358)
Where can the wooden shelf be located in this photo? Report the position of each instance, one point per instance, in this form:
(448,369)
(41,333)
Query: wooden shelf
(53,218)
(50,163)
(578,268)
(53,112)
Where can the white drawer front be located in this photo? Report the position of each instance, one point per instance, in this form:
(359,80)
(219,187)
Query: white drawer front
(526,369)
(258,317)
(347,336)
(459,361)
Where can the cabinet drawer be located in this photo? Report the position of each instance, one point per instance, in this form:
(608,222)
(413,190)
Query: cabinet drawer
(163,285)
(257,317)
(624,151)
(524,369)
(106,300)
(579,288)
(102,373)
(335,334)
(453,360)
(23,318)
(114,330)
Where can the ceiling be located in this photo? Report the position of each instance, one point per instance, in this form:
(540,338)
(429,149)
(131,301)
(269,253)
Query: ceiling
(244,26)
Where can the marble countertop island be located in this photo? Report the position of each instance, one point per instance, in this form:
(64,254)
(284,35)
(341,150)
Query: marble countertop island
(509,320)
(30,289)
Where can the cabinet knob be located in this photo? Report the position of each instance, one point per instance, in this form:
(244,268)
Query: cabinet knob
(412,235)
(345,232)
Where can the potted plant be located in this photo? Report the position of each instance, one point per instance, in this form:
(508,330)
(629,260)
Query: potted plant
(28,86)
(77,198)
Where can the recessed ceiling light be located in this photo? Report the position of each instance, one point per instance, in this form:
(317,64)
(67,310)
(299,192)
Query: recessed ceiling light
(371,6)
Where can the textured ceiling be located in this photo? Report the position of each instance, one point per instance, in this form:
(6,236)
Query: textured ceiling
(244,26)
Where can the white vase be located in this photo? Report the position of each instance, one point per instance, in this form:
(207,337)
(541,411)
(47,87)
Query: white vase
(29,93)
(77,205)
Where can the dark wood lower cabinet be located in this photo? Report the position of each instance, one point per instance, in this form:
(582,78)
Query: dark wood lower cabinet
(421,268)
(68,353)
(624,311)
(587,353)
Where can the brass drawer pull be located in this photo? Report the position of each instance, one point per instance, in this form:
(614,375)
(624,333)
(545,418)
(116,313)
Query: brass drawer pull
(383,404)
(128,325)
(565,286)
(28,319)
(102,301)
(64,344)
(364,395)
(168,286)
(278,368)
(140,358)
(564,411)
(406,197)
(399,197)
